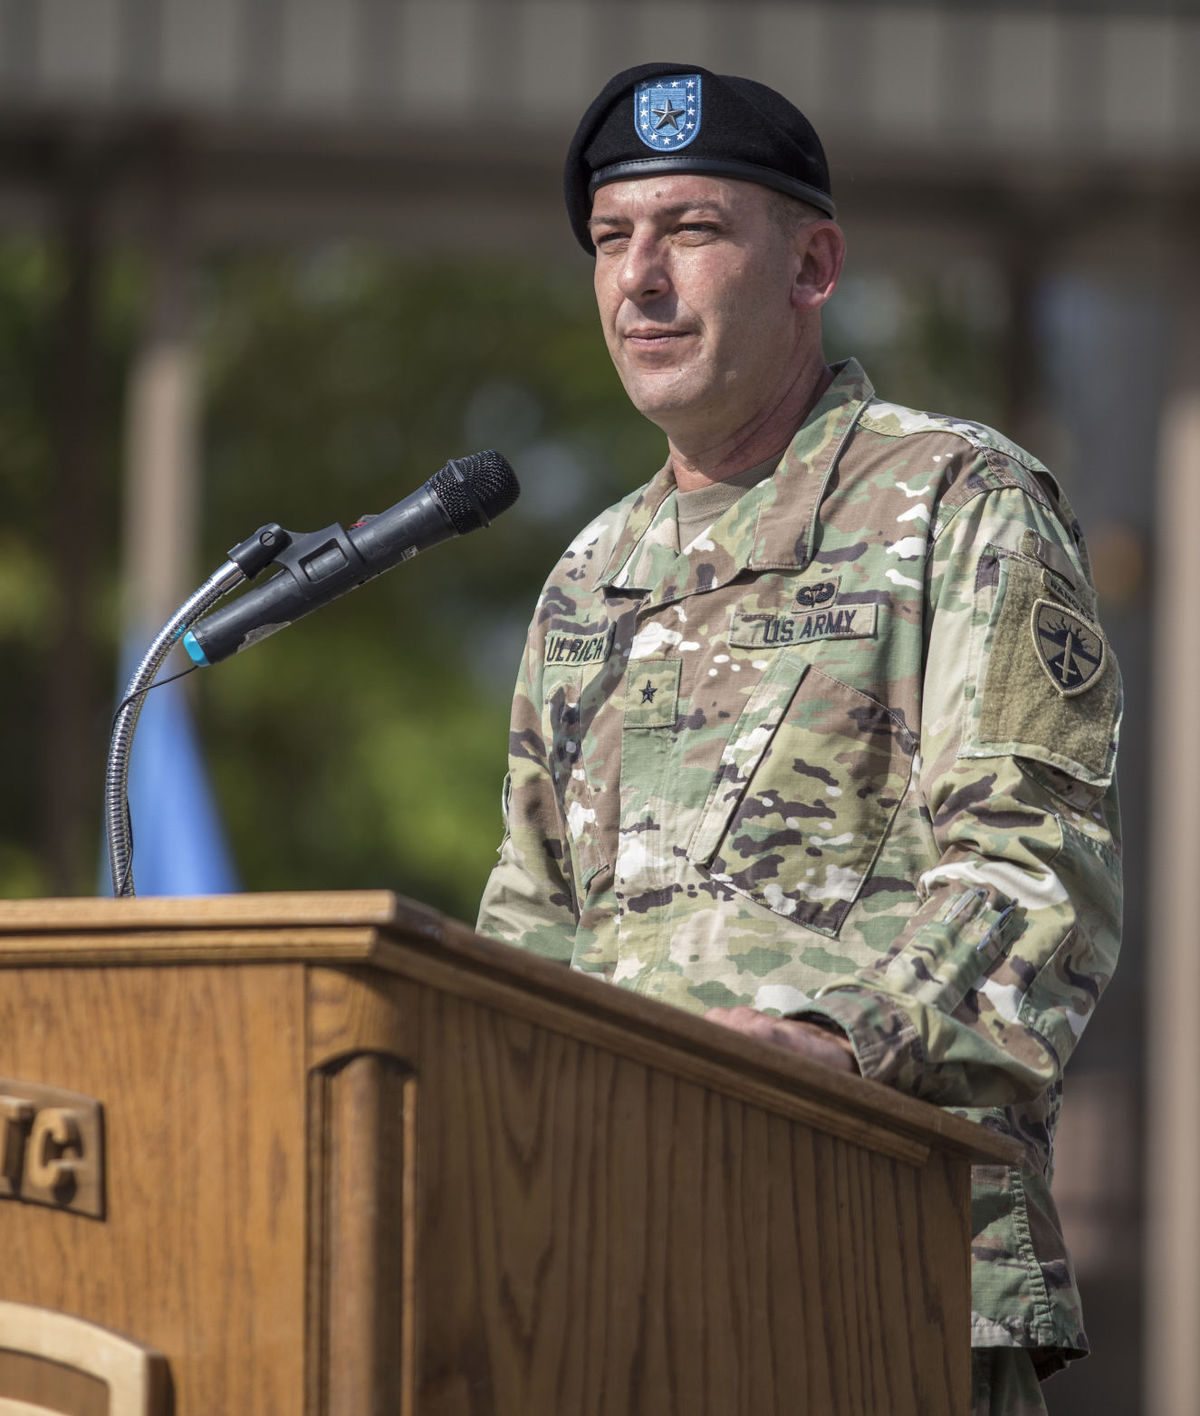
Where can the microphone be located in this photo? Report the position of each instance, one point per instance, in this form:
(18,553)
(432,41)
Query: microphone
(466,494)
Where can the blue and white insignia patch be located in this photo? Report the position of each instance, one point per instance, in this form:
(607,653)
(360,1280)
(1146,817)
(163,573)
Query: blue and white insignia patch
(666,111)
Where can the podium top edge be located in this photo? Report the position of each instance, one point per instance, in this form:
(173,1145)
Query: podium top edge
(302,907)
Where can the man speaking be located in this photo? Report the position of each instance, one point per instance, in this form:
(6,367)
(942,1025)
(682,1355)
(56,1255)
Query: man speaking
(815,731)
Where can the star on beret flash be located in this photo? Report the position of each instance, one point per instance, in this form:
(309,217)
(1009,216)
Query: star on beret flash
(668,113)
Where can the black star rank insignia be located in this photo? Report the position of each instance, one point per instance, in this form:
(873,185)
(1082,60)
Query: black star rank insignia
(648,692)
(1068,648)
(668,113)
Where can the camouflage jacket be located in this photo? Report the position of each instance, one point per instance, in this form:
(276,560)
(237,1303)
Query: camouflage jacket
(848,757)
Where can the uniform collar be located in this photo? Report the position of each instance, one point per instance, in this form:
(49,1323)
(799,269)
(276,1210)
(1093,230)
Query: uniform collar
(772,527)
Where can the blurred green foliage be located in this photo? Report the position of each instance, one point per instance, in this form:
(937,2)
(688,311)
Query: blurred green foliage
(35,622)
(29,290)
(366,746)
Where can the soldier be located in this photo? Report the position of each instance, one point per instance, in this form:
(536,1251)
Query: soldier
(815,731)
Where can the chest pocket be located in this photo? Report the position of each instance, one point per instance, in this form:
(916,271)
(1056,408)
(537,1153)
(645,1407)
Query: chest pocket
(807,787)
(567,709)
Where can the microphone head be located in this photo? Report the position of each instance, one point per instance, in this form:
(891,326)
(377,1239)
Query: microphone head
(474,490)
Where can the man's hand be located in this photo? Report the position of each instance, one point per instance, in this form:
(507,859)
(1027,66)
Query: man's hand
(819,1044)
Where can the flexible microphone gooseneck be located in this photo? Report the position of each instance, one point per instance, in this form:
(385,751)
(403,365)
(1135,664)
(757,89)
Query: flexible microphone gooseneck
(316,568)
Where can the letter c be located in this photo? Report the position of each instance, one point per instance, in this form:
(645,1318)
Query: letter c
(56,1128)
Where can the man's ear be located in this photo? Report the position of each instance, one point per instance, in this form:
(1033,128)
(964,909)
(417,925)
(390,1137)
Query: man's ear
(820,250)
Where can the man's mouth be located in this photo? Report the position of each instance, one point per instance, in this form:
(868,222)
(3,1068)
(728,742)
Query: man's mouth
(651,339)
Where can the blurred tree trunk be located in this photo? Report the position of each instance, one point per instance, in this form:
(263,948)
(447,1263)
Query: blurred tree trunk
(71,721)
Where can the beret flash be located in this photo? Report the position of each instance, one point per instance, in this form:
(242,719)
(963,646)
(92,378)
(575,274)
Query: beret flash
(670,118)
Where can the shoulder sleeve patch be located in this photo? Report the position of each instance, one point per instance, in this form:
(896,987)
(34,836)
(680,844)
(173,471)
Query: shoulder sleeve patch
(1072,652)
(1046,686)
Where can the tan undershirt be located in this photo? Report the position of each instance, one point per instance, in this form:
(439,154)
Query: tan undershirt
(696,511)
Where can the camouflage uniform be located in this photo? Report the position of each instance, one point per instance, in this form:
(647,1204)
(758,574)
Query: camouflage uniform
(849,758)
(1004,1383)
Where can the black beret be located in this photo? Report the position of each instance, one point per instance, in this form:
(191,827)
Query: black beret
(670,118)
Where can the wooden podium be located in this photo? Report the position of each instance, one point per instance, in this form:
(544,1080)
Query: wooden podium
(335,1155)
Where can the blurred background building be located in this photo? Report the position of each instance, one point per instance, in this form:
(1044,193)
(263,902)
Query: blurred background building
(277,259)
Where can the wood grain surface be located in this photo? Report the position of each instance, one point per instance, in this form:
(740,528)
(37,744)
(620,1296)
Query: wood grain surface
(362,1238)
(360,1161)
(597,1237)
(50,1387)
(201,1074)
(362,1039)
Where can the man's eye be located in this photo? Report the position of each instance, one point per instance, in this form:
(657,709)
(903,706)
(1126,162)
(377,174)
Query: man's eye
(609,239)
(697,228)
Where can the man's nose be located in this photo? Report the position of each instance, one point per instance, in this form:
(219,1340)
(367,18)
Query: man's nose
(643,274)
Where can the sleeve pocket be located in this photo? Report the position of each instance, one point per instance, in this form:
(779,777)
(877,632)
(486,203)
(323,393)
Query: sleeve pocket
(953,953)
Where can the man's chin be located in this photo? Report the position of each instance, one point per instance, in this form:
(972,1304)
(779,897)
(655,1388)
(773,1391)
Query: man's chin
(660,398)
